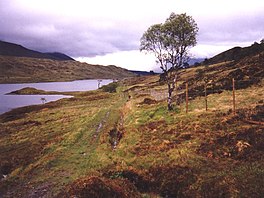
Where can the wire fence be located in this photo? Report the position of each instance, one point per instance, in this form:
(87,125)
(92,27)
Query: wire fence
(187,92)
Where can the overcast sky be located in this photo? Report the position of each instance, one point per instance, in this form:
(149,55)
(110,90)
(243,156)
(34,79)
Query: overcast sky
(109,31)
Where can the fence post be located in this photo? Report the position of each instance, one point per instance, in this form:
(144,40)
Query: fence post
(187,97)
(205,95)
(176,93)
(234,97)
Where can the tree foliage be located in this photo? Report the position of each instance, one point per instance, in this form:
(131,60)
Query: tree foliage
(170,43)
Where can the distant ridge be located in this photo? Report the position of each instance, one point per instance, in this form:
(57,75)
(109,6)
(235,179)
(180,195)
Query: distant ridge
(11,49)
(236,54)
(143,73)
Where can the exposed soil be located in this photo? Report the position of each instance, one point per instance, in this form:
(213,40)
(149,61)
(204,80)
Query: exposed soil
(114,137)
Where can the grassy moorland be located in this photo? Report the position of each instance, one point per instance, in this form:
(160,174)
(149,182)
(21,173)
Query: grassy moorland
(126,143)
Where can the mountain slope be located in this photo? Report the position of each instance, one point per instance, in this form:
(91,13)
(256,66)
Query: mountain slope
(236,54)
(22,69)
(11,49)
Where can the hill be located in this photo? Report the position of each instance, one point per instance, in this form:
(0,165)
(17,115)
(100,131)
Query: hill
(127,144)
(236,54)
(143,73)
(23,69)
(19,64)
(11,49)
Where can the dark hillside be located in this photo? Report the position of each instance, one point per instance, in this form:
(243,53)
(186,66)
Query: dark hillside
(143,73)
(236,54)
(247,72)
(11,49)
(59,56)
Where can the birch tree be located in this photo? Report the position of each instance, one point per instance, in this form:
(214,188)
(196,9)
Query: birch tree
(170,43)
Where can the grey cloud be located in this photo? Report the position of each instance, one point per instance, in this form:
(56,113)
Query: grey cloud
(239,29)
(75,38)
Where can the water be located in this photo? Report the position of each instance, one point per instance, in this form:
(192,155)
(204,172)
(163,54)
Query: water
(8,102)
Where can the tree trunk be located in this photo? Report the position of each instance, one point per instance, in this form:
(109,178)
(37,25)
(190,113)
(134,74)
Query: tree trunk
(176,92)
(171,87)
(170,90)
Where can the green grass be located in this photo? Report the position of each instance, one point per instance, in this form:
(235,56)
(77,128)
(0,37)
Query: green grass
(65,138)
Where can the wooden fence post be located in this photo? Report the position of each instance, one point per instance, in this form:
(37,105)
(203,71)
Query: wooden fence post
(234,96)
(187,97)
(205,95)
(176,93)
